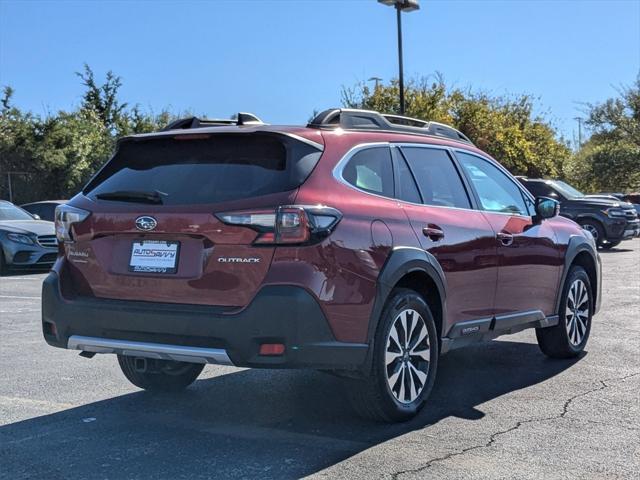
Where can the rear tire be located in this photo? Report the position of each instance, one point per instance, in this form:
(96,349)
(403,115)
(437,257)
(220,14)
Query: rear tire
(159,375)
(403,370)
(594,228)
(569,337)
(3,263)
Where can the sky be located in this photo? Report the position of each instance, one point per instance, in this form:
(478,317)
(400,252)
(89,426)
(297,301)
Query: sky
(284,59)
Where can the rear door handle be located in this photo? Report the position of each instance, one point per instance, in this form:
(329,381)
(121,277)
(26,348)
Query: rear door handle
(433,233)
(506,239)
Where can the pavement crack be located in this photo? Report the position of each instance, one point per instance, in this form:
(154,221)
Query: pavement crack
(493,437)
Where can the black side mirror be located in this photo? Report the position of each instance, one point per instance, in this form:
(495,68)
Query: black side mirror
(546,208)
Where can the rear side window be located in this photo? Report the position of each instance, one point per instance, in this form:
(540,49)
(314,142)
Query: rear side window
(370,170)
(437,177)
(196,169)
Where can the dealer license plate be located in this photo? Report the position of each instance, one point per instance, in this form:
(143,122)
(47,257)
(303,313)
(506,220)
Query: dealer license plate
(154,256)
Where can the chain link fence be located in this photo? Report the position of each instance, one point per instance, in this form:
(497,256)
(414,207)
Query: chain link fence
(22,187)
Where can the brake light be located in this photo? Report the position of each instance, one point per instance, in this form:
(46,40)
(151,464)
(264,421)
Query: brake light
(65,217)
(286,225)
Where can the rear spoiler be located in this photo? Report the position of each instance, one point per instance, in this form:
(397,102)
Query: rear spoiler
(240,119)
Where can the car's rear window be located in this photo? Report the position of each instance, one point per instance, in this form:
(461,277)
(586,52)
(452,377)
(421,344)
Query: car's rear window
(206,168)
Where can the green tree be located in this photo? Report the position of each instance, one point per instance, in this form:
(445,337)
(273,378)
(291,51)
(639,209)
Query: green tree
(17,141)
(506,128)
(103,99)
(424,98)
(137,121)
(70,148)
(610,159)
(57,154)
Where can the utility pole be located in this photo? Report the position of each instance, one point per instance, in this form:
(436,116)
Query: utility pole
(579,119)
(9,183)
(10,190)
(401,6)
(377,81)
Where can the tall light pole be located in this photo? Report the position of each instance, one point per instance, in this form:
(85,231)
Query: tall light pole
(401,6)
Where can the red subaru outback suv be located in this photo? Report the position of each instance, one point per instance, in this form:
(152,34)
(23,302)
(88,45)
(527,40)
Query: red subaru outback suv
(364,244)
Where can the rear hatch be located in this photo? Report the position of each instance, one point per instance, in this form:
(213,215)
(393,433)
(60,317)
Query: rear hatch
(153,233)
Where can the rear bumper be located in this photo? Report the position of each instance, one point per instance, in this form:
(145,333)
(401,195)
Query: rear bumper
(158,351)
(201,334)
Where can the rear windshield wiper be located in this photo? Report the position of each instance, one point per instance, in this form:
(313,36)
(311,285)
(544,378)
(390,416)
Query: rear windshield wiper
(133,196)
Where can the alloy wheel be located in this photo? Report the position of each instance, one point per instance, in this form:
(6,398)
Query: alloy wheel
(592,230)
(407,356)
(577,312)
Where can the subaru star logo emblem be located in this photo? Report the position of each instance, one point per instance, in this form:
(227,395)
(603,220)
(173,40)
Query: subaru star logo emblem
(146,223)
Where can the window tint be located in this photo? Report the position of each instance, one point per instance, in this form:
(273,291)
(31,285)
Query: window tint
(48,211)
(566,189)
(437,177)
(371,170)
(406,188)
(34,209)
(539,189)
(497,192)
(207,168)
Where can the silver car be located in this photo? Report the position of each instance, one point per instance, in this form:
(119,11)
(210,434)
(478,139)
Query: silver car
(25,240)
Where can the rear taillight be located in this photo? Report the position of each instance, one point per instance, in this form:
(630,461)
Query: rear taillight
(286,225)
(66,216)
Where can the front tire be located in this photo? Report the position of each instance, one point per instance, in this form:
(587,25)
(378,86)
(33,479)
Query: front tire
(595,229)
(159,375)
(569,337)
(405,361)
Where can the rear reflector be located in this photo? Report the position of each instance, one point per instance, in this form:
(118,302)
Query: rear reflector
(271,349)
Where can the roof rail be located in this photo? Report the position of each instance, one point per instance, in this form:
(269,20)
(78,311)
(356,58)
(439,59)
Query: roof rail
(353,119)
(241,118)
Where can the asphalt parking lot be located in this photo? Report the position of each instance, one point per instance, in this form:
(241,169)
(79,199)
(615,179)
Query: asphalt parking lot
(501,410)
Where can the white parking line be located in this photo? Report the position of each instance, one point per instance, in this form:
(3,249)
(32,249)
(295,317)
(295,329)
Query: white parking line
(16,296)
(21,310)
(14,401)
(38,279)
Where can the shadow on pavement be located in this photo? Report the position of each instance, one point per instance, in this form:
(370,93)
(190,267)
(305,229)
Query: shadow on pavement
(16,272)
(614,250)
(252,423)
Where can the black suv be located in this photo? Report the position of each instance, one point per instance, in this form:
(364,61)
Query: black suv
(607,218)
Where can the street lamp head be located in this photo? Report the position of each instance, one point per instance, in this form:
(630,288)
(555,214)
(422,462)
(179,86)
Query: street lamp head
(403,5)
